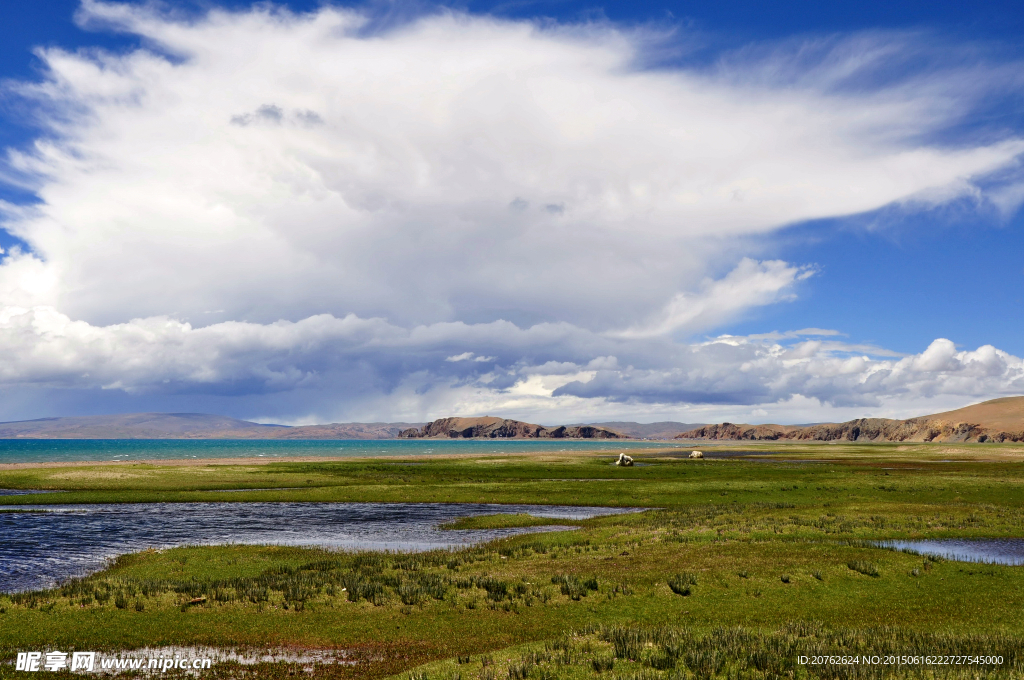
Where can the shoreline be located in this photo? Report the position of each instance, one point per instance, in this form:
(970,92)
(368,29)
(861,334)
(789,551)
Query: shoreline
(974,453)
(264,460)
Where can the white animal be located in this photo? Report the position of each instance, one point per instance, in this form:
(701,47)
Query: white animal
(696,454)
(624,460)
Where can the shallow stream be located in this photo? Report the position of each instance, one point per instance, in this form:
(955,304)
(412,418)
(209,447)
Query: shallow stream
(40,549)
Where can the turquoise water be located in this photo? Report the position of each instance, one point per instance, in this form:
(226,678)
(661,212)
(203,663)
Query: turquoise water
(69,450)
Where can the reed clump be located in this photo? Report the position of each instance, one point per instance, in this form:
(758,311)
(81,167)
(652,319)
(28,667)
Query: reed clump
(574,586)
(863,567)
(682,584)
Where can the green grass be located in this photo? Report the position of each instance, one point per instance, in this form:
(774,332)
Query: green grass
(744,565)
(506,521)
(882,478)
(442,604)
(671,652)
(862,567)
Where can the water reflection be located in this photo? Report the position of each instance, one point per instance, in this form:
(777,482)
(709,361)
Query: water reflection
(985,550)
(39,549)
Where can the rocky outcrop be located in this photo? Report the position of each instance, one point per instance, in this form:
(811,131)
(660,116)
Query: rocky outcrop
(1002,437)
(861,430)
(494,428)
(886,430)
(732,431)
(996,420)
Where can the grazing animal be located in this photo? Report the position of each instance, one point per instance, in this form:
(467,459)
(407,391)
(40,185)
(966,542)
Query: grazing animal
(696,454)
(624,460)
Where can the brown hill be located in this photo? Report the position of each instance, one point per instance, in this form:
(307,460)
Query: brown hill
(493,428)
(998,420)
(1005,414)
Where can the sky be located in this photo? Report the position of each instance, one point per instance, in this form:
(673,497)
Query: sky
(553,211)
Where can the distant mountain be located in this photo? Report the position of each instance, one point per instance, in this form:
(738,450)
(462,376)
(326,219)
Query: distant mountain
(346,431)
(998,420)
(663,430)
(188,426)
(493,428)
(139,426)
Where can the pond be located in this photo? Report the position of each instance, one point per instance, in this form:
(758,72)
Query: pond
(985,550)
(40,549)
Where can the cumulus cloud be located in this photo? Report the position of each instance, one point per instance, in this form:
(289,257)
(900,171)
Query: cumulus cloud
(435,212)
(545,369)
(743,371)
(185,179)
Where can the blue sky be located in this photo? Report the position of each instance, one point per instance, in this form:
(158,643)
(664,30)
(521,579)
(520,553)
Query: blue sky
(556,211)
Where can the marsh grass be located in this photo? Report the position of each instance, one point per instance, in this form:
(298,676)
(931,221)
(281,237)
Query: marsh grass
(483,604)
(573,586)
(986,501)
(863,567)
(678,652)
(505,521)
(682,584)
(376,578)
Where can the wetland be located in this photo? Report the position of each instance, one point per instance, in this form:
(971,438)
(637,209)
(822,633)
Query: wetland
(738,568)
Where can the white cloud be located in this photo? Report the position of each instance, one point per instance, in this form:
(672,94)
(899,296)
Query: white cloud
(750,284)
(440,208)
(546,370)
(469,356)
(737,371)
(177,185)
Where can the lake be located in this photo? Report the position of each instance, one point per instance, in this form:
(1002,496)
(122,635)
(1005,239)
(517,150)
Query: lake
(75,450)
(40,549)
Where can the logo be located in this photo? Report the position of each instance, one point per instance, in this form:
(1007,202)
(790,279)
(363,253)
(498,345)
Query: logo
(55,661)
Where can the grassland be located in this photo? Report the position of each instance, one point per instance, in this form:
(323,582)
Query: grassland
(743,566)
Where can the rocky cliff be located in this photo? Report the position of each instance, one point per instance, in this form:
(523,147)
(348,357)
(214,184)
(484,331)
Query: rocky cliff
(493,428)
(943,427)
(733,431)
